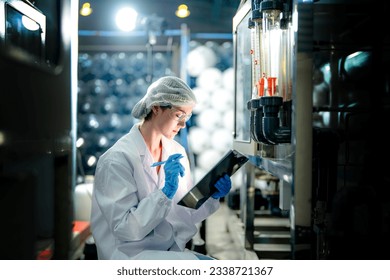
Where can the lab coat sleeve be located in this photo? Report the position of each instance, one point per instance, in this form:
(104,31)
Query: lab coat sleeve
(207,209)
(116,193)
(184,220)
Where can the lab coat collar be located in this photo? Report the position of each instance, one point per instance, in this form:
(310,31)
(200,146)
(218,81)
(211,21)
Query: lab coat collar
(143,149)
(146,157)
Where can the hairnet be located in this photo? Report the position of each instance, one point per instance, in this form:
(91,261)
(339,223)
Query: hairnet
(169,90)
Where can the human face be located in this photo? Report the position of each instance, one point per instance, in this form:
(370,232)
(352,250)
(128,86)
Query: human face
(173,119)
(179,114)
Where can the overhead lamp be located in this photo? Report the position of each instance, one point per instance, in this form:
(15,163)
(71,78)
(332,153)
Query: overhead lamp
(86,9)
(126,19)
(182,11)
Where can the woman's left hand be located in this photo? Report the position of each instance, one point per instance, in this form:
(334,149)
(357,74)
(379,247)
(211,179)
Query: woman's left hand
(223,185)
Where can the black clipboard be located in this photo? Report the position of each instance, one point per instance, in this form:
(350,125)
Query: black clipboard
(229,164)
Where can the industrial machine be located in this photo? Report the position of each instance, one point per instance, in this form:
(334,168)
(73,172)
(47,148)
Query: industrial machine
(311,97)
(38,62)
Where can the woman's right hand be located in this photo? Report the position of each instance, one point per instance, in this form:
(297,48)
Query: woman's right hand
(172,168)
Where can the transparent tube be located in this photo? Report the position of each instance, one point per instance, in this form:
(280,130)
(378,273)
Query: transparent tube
(285,68)
(253,59)
(259,58)
(271,49)
(290,57)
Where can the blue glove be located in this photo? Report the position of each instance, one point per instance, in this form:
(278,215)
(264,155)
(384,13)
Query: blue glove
(223,185)
(173,169)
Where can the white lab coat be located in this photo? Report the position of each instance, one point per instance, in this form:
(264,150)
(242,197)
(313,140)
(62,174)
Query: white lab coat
(130,214)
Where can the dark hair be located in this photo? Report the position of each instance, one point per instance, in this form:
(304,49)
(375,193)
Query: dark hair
(164,107)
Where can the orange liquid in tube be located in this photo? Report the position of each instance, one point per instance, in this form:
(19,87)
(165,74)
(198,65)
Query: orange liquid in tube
(260,86)
(271,88)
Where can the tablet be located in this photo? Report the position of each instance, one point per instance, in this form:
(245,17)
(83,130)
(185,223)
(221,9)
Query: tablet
(229,164)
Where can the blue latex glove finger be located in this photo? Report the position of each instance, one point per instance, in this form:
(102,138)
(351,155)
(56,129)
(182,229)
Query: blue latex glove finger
(173,169)
(223,185)
(172,161)
(174,157)
(170,158)
(174,174)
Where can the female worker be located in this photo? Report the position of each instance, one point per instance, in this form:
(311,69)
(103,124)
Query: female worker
(135,214)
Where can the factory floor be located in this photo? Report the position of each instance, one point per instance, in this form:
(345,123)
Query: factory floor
(219,242)
(225,236)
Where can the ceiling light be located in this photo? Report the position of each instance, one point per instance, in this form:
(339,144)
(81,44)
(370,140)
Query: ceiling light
(182,11)
(86,9)
(126,19)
